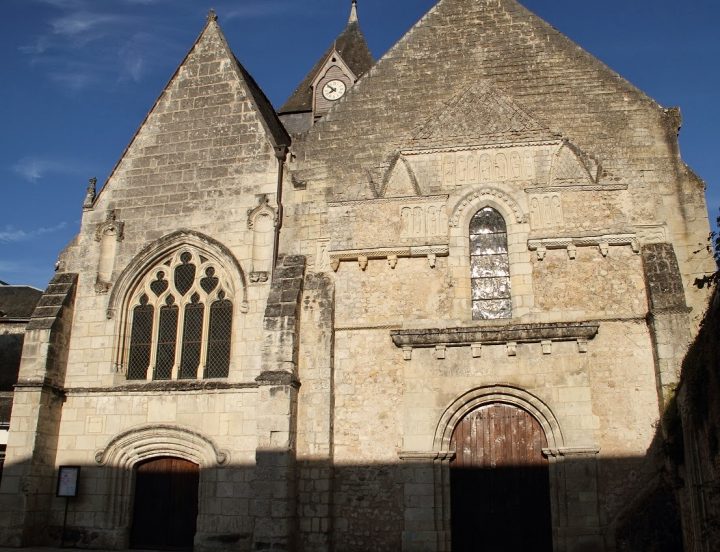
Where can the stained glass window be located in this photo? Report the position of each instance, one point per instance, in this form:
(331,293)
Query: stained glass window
(489,266)
(180,323)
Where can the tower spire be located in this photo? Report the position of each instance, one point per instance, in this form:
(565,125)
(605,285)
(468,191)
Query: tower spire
(353,13)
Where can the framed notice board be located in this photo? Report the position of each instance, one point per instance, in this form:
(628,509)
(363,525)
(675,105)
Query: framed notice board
(68,479)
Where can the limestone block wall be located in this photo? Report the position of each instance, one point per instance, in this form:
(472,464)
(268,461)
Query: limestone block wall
(159,422)
(203,161)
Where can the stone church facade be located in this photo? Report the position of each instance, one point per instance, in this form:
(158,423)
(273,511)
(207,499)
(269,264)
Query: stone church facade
(437,303)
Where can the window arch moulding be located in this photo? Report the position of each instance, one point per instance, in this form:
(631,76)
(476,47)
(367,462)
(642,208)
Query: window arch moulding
(466,207)
(506,394)
(150,254)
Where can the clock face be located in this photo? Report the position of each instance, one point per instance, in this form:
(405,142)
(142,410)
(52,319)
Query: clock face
(334,90)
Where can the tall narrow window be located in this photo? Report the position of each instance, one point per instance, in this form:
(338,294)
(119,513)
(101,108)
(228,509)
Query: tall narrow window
(218,354)
(192,338)
(489,266)
(140,340)
(167,340)
(181,318)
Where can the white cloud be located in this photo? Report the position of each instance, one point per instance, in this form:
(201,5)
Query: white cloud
(33,168)
(65,4)
(74,81)
(83,22)
(254,10)
(10,234)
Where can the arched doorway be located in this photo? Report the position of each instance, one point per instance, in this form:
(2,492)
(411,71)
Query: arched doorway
(500,489)
(166,504)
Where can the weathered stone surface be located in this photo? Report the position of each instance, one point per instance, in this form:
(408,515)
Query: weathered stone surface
(353,353)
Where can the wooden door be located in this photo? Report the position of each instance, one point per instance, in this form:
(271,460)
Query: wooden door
(499,482)
(166,504)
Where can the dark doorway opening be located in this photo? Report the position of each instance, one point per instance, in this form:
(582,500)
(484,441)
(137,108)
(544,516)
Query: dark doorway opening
(166,504)
(499,479)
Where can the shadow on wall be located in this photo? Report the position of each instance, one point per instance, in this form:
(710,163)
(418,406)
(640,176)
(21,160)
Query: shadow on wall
(10,353)
(349,508)
(692,424)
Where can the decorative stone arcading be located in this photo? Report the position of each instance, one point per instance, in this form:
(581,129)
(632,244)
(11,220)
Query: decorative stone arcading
(571,243)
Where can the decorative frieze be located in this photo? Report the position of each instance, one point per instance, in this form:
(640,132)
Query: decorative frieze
(392,254)
(509,335)
(569,243)
(546,211)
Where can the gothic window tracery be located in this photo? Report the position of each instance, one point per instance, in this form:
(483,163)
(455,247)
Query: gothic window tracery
(489,266)
(180,320)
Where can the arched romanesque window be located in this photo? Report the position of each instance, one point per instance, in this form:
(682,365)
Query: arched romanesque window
(180,320)
(489,266)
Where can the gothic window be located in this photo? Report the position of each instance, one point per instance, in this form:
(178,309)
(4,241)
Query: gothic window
(180,320)
(489,266)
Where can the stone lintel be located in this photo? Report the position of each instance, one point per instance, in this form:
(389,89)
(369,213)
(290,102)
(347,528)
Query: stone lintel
(496,335)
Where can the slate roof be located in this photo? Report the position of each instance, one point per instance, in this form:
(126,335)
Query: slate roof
(18,302)
(353,48)
(267,112)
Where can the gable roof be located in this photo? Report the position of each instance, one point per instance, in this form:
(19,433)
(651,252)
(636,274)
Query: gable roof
(354,50)
(18,302)
(274,129)
(507,49)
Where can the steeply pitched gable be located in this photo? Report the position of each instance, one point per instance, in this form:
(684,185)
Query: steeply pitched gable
(498,45)
(211,102)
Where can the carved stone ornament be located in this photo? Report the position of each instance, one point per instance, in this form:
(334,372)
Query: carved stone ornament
(486,193)
(259,277)
(263,206)
(90,194)
(603,243)
(109,227)
(392,254)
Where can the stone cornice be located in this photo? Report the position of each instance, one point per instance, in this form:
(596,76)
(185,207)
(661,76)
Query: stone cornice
(577,188)
(162,387)
(571,243)
(507,334)
(380,200)
(392,254)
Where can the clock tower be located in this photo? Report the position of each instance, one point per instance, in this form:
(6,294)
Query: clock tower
(340,67)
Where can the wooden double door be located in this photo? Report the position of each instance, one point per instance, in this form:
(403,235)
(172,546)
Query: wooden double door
(166,504)
(500,487)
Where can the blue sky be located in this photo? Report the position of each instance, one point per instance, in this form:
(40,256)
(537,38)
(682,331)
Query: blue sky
(85,72)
